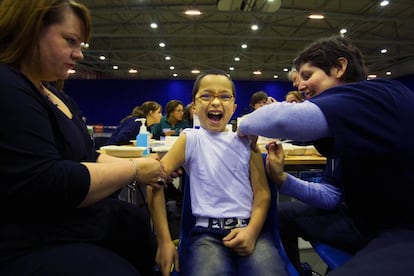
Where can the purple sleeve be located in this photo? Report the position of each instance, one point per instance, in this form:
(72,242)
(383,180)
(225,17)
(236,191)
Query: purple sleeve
(296,121)
(321,195)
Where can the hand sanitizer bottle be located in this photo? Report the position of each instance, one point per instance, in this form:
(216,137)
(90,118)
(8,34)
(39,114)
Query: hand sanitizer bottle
(143,137)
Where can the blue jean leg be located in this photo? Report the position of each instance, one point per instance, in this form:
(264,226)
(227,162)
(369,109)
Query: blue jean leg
(265,260)
(206,256)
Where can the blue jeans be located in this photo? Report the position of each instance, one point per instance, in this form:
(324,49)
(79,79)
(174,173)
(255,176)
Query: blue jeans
(207,255)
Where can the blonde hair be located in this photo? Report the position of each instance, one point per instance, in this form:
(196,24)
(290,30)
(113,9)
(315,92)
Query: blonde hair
(298,96)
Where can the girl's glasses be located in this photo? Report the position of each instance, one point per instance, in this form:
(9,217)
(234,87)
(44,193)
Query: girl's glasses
(208,97)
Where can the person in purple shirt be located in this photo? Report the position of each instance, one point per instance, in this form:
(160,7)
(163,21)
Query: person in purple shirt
(366,125)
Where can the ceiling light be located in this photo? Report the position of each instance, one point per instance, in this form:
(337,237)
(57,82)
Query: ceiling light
(388,73)
(195,71)
(231,68)
(384,3)
(175,75)
(316,16)
(343,31)
(161,44)
(371,76)
(84,45)
(257,72)
(102,57)
(115,67)
(167,58)
(193,12)
(383,51)
(254,27)
(71,71)
(275,76)
(172,67)
(285,69)
(154,25)
(132,71)
(244,46)
(236,59)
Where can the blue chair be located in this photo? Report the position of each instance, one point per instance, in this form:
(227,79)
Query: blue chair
(332,256)
(188,221)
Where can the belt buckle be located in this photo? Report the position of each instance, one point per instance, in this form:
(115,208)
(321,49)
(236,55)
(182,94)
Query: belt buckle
(230,223)
(224,223)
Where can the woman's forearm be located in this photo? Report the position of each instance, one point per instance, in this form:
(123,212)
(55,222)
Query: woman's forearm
(300,122)
(107,178)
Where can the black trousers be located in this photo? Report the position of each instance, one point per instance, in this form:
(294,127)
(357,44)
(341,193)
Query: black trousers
(388,253)
(297,219)
(127,247)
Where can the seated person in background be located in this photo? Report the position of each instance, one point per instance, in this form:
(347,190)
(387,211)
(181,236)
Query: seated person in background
(294,97)
(189,114)
(227,184)
(259,99)
(294,77)
(129,126)
(172,123)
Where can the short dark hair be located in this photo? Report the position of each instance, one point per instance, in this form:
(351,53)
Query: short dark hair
(324,54)
(257,97)
(196,85)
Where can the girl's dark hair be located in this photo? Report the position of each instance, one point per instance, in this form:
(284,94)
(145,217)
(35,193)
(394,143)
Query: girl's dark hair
(325,53)
(210,72)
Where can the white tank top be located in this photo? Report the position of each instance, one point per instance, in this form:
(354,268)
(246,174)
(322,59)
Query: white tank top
(218,167)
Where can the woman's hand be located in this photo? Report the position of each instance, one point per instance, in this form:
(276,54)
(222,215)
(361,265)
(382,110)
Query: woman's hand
(150,171)
(271,100)
(252,139)
(275,163)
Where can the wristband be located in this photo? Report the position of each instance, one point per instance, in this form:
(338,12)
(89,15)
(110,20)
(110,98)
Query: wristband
(136,171)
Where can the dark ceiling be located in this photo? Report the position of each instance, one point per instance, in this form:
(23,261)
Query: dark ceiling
(122,33)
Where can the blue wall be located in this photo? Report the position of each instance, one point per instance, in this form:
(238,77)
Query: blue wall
(108,101)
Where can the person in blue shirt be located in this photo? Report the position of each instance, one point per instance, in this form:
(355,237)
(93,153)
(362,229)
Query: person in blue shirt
(173,122)
(129,126)
(367,126)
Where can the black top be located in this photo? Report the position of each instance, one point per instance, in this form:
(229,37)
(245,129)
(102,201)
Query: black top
(372,135)
(42,179)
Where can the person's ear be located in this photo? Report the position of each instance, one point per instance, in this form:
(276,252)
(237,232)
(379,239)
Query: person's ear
(341,69)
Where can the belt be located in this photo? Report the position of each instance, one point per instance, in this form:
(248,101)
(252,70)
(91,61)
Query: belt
(222,223)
